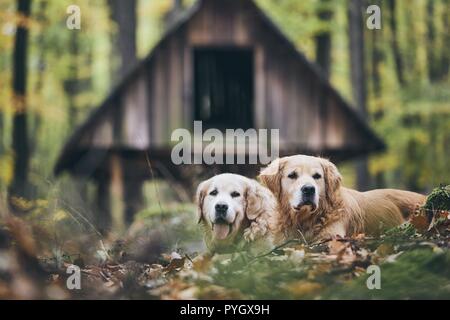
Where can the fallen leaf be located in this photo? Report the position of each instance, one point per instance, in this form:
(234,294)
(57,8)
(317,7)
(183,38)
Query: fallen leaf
(176,262)
(420,222)
(202,263)
(384,250)
(335,247)
(301,289)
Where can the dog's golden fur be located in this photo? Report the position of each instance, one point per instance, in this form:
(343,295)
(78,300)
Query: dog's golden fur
(251,216)
(340,211)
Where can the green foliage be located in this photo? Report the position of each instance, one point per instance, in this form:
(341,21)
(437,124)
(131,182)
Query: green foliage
(404,231)
(439,199)
(411,276)
(413,118)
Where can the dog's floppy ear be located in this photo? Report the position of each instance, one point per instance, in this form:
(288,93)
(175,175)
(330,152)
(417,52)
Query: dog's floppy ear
(257,200)
(271,175)
(332,179)
(199,197)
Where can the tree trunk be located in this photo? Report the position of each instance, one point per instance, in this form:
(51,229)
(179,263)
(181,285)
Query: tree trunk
(37,119)
(124,14)
(437,61)
(117,193)
(356,34)
(431,41)
(133,198)
(412,41)
(377,58)
(103,216)
(2,134)
(72,81)
(394,43)
(19,186)
(323,38)
(445,57)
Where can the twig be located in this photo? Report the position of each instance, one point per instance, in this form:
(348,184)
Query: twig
(104,249)
(81,215)
(304,239)
(274,249)
(180,192)
(156,187)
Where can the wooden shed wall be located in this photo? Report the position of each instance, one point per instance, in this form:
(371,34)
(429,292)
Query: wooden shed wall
(287,97)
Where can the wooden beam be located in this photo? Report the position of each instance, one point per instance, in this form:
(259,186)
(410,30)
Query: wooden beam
(117,192)
(133,198)
(103,216)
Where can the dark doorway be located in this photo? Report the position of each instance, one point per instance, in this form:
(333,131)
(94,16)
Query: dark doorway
(224,87)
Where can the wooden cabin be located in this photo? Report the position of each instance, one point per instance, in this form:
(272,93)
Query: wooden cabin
(225,63)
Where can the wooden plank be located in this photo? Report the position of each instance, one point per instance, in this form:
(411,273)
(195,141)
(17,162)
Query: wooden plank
(116,191)
(174,84)
(188,85)
(133,196)
(159,98)
(102,136)
(149,87)
(290,116)
(135,124)
(335,126)
(259,88)
(103,214)
(304,87)
(314,140)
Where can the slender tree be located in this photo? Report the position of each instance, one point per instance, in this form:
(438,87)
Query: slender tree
(412,41)
(2,134)
(394,42)
(445,58)
(376,59)
(123,14)
(437,59)
(431,42)
(42,19)
(71,83)
(323,38)
(20,147)
(358,80)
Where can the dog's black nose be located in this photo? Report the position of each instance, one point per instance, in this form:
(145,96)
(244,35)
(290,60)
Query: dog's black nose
(308,190)
(221,208)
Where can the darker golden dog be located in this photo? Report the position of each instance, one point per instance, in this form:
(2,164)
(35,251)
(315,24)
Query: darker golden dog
(314,205)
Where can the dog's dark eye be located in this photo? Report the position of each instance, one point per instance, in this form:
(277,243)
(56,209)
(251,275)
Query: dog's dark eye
(292,175)
(317,176)
(213,193)
(235,194)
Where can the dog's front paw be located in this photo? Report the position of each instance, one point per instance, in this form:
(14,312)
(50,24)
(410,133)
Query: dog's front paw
(255,231)
(248,235)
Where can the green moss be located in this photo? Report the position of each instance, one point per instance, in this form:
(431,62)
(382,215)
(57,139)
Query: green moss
(439,199)
(402,232)
(416,274)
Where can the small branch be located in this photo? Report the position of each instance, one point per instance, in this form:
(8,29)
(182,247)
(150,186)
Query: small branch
(304,239)
(275,249)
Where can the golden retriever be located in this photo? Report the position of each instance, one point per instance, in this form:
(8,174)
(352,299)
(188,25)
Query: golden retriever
(235,210)
(315,206)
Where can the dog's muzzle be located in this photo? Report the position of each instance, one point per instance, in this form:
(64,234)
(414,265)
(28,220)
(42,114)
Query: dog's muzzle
(308,194)
(221,227)
(221,210)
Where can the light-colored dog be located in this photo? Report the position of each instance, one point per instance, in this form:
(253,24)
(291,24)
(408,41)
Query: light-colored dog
(235,210)
(313,204)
